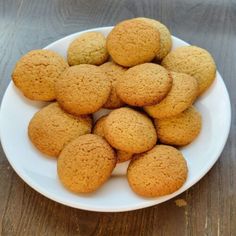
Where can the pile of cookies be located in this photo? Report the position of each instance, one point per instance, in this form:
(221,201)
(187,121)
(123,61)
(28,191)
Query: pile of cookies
(149,91)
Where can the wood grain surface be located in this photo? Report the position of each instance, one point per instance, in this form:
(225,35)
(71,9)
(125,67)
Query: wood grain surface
(211,203)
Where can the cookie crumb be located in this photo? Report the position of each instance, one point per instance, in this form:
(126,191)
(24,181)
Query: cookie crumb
(180,202)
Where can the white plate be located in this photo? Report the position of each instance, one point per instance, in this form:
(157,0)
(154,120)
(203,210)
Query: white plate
(40,172)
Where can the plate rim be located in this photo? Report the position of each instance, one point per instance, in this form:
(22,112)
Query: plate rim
(28,180)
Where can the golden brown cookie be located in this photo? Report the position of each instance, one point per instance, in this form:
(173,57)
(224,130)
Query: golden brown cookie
(86,163)
(179,130)
(130,131)
(160,171)
(82,89)
(132,42)
(114,73)
(194,61)
(165,37)
(51,129)
(123,156)
(98,129)
(36,72)
(144,84)
(181,96)
(88,48)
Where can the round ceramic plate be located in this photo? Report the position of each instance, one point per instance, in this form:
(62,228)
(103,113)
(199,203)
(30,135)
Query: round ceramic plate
(115,195)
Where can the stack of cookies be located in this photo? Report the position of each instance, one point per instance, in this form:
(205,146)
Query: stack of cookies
(149,91)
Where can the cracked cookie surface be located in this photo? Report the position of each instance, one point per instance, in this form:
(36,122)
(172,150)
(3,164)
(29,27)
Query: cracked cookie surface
(165,37)
(181,129)
(129,130)
(88,48)
(86,163)
(183,93)
(144,84)
(194,61)
(133,42)
(98,129)
(50,129)
(160,171)
(36,73)
(114,73)
(82,89)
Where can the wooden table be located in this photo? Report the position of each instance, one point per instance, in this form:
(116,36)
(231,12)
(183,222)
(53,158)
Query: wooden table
(211,203)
